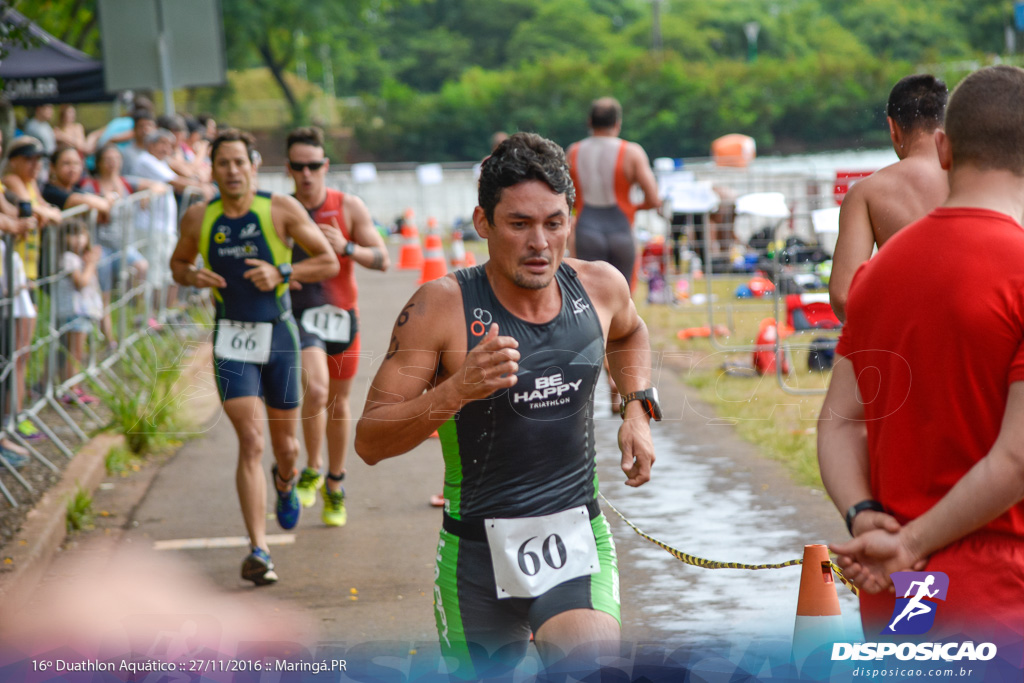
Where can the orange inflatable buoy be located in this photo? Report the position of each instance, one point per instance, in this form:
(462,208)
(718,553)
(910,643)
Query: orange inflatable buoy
(734,150)
(764,356)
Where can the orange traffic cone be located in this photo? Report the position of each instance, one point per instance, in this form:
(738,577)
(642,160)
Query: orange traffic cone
(818,618)
(458,250)
(470,259)
(411,256)
(433,261)
(431,224)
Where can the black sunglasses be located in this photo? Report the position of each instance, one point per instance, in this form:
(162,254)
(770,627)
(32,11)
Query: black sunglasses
(297,166)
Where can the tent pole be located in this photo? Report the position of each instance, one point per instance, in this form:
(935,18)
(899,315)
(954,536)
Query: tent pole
(165,60)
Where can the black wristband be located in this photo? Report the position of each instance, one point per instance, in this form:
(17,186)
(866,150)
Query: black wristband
(860,507)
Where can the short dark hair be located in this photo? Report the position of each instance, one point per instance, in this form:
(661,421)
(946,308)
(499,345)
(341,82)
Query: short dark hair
(917,103)
(605,113)
(523,157)
(172,122)
(232,135)
(59,151)
(142,114)
(307,135)
(985,119)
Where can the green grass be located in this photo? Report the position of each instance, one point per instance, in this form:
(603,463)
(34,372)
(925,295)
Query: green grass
(147,415)
(781,424)
(120,460)
(79,511)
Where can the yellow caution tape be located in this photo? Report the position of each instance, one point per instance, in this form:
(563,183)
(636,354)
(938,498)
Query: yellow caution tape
(714,564)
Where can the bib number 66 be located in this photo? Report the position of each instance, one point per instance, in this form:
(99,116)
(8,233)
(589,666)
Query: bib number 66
(552,549)
(243,342)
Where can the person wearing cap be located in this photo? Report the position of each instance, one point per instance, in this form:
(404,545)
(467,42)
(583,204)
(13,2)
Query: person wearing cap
(24,158)
(39,127)
(12,224)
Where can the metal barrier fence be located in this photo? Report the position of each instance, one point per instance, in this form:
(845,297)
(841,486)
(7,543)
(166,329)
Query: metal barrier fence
(47,355)
(718,242)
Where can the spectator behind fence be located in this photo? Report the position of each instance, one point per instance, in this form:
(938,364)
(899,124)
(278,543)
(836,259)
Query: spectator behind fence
(145,123)
(23,163)
(109,183)
(61,191)
(38,126)
(199,145)
(182,158)
(120,130)
(152,164)
(78,300)
(11,224)
(70,132)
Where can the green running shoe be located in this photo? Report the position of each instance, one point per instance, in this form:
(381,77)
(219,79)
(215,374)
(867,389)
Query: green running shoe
(309,481)
(334,507)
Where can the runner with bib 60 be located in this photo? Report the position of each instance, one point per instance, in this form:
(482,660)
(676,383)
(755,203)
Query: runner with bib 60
(502,360)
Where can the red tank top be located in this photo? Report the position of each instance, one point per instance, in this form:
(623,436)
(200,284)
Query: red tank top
(340,290)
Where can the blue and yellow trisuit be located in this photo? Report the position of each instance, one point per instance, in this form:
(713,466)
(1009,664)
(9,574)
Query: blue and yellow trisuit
(225,243)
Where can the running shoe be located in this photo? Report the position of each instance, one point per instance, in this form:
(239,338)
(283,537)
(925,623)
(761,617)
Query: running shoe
(83,397)
(334,513)
(309,481)
(259,568)
(288,505)
(28,431)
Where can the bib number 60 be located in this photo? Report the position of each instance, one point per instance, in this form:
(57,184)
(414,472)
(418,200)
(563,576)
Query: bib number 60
(529,562)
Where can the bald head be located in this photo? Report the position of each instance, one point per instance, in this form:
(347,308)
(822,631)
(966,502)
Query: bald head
(605,112)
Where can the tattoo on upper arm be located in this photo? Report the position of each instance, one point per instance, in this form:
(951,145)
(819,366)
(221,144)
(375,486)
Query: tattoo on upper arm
(393,348)
(403,317)
(378,258)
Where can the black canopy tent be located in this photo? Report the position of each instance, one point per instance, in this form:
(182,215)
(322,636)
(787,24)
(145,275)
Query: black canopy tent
(50,72)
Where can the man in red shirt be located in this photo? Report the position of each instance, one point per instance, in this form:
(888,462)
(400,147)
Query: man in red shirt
(921,436)
(328,317)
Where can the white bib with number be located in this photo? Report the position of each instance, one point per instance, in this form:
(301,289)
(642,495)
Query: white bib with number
(532,555)
(330,323)
(245,342)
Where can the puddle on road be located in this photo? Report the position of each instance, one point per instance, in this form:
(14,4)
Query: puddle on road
(699,503)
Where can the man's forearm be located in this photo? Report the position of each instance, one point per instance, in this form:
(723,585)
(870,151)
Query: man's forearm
(629,360)
(990,488)
(387,430)
(843,460)
(316,268)
(183,272)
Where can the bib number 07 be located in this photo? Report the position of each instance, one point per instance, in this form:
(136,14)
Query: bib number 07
(532,555)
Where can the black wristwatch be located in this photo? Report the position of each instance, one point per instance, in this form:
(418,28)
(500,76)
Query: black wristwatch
(350,248)
(286,271)
(860,507)
(649,399)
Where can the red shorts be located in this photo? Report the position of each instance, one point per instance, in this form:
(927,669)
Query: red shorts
(345,364)
(986,591)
